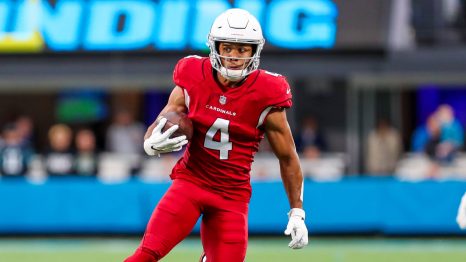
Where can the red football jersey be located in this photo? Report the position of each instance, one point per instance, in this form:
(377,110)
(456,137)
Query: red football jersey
(227,125)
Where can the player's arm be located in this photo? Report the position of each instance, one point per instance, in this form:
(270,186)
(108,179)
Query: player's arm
(281,140)
(175,103)
(156,141)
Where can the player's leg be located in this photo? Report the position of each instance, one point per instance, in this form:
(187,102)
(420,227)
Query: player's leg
(224,231)
(172,220)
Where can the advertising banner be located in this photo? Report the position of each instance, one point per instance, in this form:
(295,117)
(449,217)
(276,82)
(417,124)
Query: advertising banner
(49,26)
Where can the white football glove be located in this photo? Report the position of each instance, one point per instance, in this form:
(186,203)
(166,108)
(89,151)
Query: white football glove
(461,217)
(160,142)
(296,228)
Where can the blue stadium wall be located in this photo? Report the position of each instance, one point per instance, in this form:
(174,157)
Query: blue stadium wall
(351,206)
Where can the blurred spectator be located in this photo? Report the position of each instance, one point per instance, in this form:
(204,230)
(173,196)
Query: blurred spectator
(440,139)
(423,134)
(14,155)
(125,135)
(451,134)
(383,148)
(310,141)
(25,127)
(86,154)
(59,160)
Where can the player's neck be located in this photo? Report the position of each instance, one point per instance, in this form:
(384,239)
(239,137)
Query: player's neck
(226,82)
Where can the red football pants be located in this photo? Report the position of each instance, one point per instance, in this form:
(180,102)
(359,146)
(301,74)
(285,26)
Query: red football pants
(224,230)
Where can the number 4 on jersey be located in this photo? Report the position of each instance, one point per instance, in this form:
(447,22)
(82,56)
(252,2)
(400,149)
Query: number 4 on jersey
(224,145)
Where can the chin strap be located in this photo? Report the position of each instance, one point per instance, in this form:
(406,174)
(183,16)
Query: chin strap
(232,74)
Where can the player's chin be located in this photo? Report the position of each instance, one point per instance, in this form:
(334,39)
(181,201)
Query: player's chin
(233,66)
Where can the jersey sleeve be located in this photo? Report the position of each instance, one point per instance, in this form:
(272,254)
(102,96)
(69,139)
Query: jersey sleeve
(280,93)
(179,75)
(188,71)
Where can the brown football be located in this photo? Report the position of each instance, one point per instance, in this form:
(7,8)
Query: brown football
(180,119)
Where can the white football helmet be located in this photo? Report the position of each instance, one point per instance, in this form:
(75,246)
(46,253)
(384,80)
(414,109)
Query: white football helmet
(237,26)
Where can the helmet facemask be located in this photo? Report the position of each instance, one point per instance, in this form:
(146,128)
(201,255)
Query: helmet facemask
(235,74)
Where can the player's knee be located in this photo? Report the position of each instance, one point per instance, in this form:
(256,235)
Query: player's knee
(143,254)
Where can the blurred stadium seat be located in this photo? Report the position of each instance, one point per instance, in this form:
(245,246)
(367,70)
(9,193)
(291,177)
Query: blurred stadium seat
(157,169)
(115,168)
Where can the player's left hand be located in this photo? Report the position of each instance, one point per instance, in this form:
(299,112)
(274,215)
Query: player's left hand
(297,228)
(461,217)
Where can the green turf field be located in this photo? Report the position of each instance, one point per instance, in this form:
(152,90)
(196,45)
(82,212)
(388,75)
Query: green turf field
(260,249)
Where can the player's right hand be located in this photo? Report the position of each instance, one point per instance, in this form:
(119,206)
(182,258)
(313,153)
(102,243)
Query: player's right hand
(461,217)
(160,142)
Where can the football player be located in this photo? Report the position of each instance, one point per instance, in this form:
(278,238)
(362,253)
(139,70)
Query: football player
(232,104)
